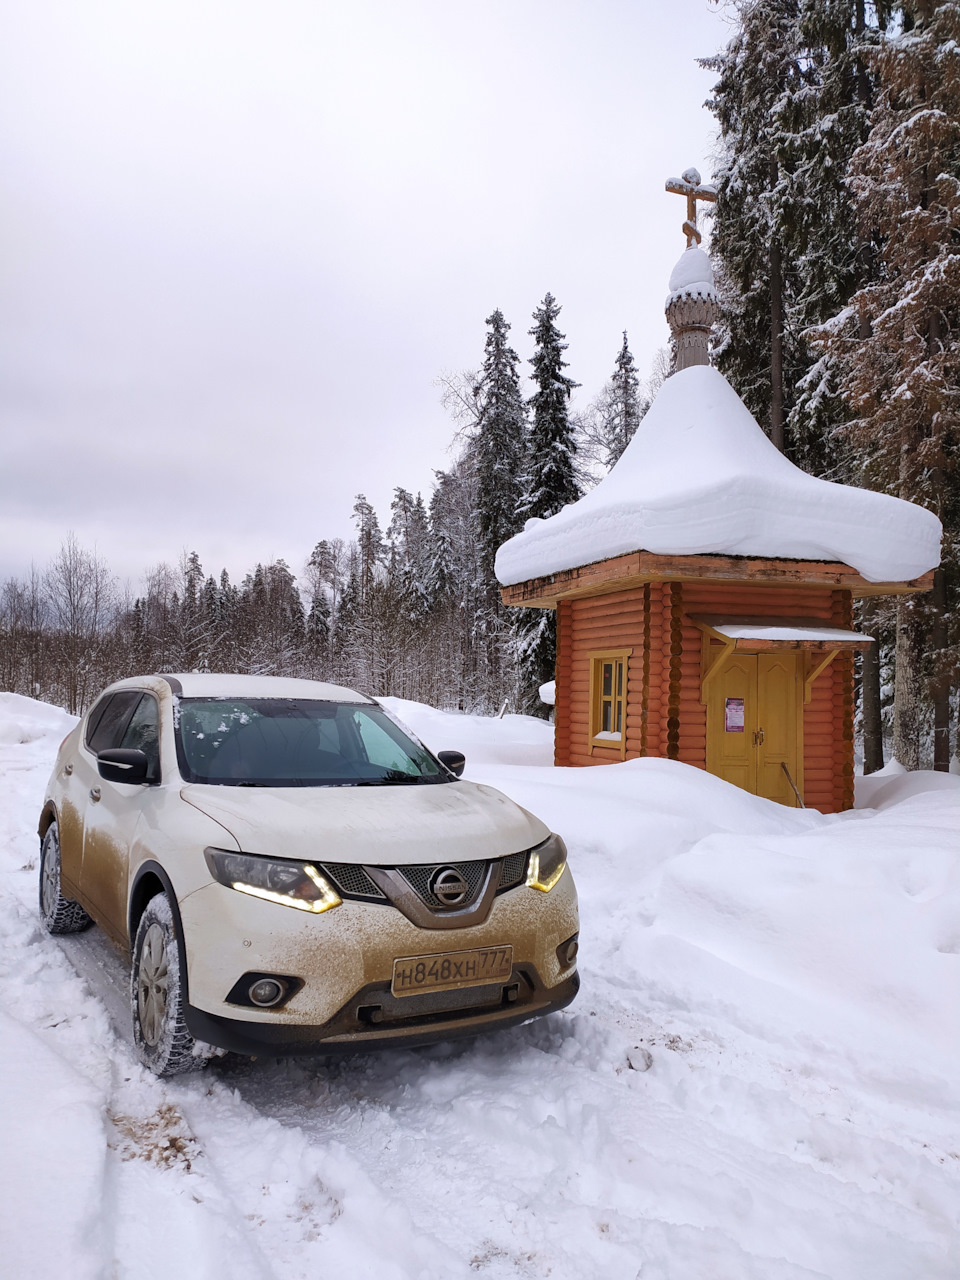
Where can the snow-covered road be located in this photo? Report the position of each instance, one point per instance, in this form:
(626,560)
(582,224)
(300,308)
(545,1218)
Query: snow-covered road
(759,1078)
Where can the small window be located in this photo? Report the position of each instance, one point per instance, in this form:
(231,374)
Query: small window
(106,727)
(608,699)
(143,734)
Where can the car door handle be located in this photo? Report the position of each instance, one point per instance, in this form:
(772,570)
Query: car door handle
(94,793)
(68,769)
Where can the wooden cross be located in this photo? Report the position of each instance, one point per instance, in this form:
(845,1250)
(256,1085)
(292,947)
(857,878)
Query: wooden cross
(689,185)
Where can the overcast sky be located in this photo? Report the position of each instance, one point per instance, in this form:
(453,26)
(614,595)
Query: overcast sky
(242,241)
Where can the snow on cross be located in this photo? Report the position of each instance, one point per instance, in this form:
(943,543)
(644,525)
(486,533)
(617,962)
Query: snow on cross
(690,186)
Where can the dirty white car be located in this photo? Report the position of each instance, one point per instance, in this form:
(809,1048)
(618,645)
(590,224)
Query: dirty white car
(291,871)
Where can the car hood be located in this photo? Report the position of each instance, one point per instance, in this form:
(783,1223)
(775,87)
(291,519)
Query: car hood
(386,826)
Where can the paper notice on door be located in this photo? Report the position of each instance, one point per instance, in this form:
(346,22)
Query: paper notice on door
(733,715)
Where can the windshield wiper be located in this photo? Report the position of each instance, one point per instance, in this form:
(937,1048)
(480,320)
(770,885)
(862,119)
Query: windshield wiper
(404,780)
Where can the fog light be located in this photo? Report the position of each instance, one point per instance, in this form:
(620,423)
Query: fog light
(567,951)
(266,992)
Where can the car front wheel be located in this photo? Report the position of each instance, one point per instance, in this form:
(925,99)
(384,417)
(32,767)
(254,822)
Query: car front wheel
(160,1034)
(59,914)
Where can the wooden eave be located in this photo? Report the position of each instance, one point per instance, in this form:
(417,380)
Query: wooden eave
(620,573)
(711,624)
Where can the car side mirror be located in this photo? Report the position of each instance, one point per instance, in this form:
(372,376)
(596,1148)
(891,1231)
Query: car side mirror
(123,764)
(454,760)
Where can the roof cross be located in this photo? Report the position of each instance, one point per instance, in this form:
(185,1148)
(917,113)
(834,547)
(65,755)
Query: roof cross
(689,185)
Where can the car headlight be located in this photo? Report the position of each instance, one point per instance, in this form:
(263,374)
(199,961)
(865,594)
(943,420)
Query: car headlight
(546,864)
(292,884)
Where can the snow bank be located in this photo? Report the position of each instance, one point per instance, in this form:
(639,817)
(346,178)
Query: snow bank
(858,912)
(891,785)
(757,1082)
(482,739)
(700,477)
(26,720)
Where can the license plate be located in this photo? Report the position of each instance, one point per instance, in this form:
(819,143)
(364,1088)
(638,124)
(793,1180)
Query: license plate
(451,969)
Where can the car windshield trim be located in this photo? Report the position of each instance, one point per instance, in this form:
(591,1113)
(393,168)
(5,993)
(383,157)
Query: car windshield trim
(298,742)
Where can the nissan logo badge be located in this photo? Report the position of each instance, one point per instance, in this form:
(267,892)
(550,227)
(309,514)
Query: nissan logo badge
(449,886)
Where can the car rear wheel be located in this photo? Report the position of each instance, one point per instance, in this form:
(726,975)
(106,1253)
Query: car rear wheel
(59,914)
(160,1034)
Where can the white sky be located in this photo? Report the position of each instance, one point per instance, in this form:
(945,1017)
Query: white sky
(242,240)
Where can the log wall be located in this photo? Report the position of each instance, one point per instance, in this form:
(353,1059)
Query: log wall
(665,716)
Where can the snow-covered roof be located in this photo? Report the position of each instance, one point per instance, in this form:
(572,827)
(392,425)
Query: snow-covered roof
(775,631)
(692,277)
(700,477)
(200,684)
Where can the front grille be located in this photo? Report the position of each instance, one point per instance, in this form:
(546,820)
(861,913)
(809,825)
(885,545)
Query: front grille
(419,879)
(512,871)
(352,881)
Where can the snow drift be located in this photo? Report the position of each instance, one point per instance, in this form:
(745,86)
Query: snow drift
(700,477)
(757,1082)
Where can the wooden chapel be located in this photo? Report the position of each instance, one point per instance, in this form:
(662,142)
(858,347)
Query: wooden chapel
(704,589)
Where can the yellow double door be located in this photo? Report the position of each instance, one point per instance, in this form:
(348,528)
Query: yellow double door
(754,724)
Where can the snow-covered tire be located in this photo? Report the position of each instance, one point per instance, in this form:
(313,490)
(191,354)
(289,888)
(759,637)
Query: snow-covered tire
(59,914)
(160,1034)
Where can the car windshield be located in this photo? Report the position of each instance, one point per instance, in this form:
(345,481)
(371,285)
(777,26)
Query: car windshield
(297,742)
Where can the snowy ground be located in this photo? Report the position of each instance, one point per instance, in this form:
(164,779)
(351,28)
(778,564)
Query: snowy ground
(758,1080)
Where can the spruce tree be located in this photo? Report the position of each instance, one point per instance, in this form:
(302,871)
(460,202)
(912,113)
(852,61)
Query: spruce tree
(550,486)
(619,407)
(498,444)
(897,346)
(756,104)
(829,253)
(551,474)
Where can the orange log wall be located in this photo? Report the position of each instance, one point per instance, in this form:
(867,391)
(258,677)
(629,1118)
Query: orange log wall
(665,716)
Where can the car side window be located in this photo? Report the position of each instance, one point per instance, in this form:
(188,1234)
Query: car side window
(143,734)
(95,716)
(113,720)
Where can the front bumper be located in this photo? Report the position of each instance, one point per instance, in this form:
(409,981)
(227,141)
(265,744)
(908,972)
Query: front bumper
(374,1019)
(343,960)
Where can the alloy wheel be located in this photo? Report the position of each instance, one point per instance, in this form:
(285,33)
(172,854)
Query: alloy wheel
(153,985)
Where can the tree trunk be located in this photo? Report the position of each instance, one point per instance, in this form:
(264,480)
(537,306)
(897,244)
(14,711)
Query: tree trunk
(906,697)
(870,693)
(776,331)
(940,681)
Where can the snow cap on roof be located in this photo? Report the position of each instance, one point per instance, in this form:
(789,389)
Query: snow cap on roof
(700,477)
(692,277)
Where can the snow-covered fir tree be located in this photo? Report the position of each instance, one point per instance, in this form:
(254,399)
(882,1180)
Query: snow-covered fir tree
(498,446)
(897,345)
(550,481)
(828,251)
(757,102)
(550,485)
(608,425)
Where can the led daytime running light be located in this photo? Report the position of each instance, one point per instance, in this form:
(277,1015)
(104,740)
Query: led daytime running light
(533,874)
(329,899)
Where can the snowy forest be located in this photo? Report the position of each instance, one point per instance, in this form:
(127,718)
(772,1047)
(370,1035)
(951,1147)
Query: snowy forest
(836,240)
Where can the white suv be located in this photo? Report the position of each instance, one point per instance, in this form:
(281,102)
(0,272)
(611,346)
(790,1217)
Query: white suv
(292,872)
